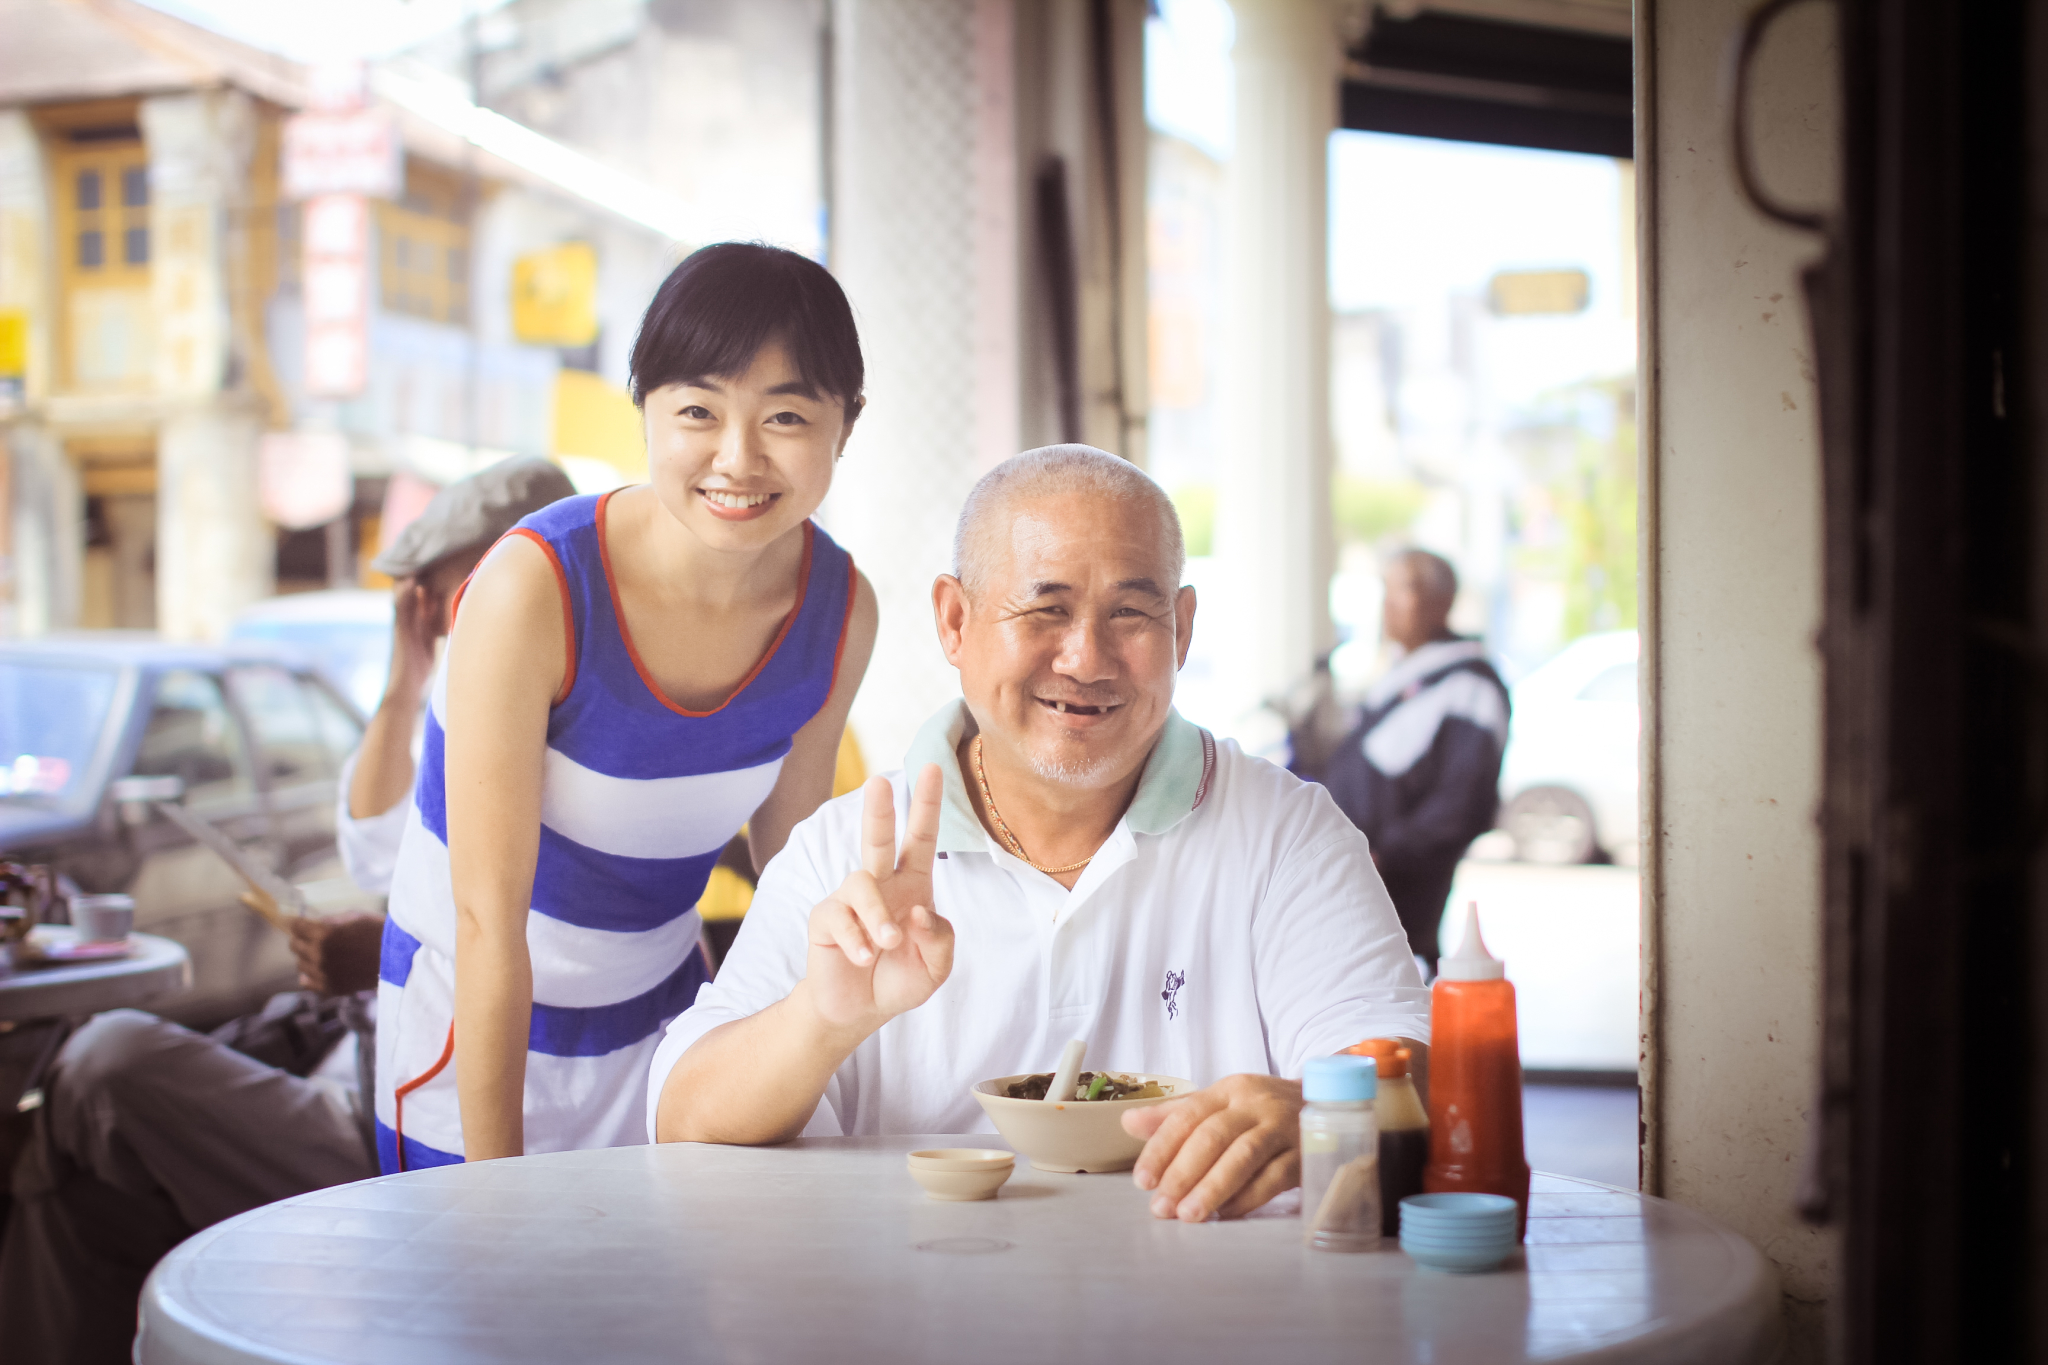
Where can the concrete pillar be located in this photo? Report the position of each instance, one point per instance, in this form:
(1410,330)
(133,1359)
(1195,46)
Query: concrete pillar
(47,532)
(39,578)
(1273,531)
(932,281)
(1731,730)
(944,113)
(215,551)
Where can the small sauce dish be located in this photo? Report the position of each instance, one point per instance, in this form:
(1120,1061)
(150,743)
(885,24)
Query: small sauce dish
(960,1174)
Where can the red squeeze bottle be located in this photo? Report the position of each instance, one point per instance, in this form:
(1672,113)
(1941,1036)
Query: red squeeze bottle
(1475,1078)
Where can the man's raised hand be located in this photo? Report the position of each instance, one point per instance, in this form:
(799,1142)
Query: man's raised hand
(878,946)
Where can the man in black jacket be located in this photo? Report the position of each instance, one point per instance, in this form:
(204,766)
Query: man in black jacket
(1420,774)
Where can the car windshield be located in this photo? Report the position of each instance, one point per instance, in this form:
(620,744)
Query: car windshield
(51,719)
(354,655)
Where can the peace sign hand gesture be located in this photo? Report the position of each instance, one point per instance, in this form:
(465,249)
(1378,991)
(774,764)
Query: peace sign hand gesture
(878,947)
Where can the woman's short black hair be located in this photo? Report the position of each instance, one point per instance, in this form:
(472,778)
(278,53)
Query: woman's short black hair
(717,309)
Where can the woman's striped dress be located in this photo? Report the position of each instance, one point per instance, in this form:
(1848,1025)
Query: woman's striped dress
(638,797)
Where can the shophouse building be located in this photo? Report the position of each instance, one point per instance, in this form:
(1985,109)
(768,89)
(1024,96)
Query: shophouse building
(163,445)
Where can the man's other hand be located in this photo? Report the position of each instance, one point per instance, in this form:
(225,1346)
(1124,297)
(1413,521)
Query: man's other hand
(338,956)
(878,946)
(1225,1149)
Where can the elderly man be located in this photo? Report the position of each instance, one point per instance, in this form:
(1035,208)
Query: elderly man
(1079,862)
(1420,774)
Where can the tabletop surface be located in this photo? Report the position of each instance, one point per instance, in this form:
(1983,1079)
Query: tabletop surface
(825,1249)
(154,967)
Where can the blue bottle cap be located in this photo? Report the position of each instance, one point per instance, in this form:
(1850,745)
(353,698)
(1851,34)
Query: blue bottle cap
(1340,1080)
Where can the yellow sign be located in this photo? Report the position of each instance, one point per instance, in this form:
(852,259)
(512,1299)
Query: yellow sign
(13,342)
(554,296)
(1525,293)
(597,421)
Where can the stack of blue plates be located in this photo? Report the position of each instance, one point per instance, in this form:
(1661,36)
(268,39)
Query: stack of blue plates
(1460,1232)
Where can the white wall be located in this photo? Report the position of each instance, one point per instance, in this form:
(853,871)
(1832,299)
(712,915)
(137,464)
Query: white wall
(1732,739)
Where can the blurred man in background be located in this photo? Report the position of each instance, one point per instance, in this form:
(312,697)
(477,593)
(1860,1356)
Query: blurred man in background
(1420,773)
(149,1131)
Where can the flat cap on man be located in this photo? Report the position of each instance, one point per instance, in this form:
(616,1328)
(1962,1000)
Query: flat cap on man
(473,512)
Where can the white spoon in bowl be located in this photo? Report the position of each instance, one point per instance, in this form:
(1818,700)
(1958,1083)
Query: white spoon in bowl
(1068,1074)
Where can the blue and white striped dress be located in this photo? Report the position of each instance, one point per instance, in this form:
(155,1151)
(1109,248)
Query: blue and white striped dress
(638,797)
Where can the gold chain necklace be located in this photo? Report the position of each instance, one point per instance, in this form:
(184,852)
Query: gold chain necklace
(1010,841)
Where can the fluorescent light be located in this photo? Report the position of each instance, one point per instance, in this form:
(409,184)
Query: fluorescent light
(439,102)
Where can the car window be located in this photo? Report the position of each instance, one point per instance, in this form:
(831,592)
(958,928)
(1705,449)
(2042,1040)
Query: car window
(1614,684)
(192,736)
(287,729)
(51,719)
(339,730)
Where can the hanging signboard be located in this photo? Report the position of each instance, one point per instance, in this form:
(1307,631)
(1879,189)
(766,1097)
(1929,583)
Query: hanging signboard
(335,272)
(303,477)
(343,153)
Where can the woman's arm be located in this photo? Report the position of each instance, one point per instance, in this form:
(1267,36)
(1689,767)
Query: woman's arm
(806,778)
(507,659)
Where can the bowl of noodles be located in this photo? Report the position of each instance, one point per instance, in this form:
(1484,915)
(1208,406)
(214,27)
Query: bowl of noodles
(1081,1134)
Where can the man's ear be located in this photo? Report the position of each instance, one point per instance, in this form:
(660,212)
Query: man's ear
(949,614)
(1183,625)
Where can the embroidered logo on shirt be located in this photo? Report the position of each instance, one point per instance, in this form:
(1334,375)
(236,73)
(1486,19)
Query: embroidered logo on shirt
(1174,981)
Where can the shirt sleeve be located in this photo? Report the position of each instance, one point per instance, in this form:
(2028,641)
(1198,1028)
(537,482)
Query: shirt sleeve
(1329,957)
(766,960)
(369,846)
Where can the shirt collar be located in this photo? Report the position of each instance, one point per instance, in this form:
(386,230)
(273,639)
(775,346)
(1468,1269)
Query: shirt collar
(1418,664)
(1176,778)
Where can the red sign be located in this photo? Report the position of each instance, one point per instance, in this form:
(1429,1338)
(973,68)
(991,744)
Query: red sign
(335,278)
(355,153)
(303,477)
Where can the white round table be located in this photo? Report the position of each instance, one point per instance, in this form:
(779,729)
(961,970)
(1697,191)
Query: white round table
(825,1250)
(154,967)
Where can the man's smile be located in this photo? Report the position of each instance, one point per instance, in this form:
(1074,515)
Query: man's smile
(1075,708)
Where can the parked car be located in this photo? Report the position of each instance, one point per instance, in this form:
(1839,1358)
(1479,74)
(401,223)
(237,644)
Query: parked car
(344,632)
(252,734)
(1568,780)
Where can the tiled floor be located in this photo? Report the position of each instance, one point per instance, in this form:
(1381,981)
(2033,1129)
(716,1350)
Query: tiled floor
(1584,1131)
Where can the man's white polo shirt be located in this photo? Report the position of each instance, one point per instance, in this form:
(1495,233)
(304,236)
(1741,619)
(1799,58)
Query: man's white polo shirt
(1233,922)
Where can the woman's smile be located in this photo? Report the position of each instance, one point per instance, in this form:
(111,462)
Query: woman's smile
(727,505)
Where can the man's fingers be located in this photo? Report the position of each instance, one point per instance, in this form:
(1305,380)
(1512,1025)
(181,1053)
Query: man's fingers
(1182,1117)
(1281,1174)
(1208,1144)
(834,925)
(933,934)
(878,828)
(921,838)
(1143,1123)
(863,896)
(1247,1155)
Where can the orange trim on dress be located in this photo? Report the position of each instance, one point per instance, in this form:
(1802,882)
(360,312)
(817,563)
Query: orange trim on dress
(561,585)
(568,612)
(611,584)
(398,1095)
(845,624)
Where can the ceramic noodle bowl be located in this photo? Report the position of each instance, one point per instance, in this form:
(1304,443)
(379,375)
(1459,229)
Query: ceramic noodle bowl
(1074,1135)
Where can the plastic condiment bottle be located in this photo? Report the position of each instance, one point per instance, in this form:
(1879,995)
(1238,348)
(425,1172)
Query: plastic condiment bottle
(1475,1078)
(1340,1155)
(1404,1127)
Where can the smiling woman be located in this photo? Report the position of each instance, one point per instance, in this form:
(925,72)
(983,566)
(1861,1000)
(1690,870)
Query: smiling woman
(630,679)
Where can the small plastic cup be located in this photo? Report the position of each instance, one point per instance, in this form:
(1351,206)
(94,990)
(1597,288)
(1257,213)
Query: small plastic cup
(103,919)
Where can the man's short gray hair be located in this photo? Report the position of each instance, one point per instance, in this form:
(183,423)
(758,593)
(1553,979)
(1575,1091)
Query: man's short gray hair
(1053,471)
(1433,574)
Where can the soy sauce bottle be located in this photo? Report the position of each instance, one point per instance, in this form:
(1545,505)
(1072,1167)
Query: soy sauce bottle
(1404,1128)
(1475,1078)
